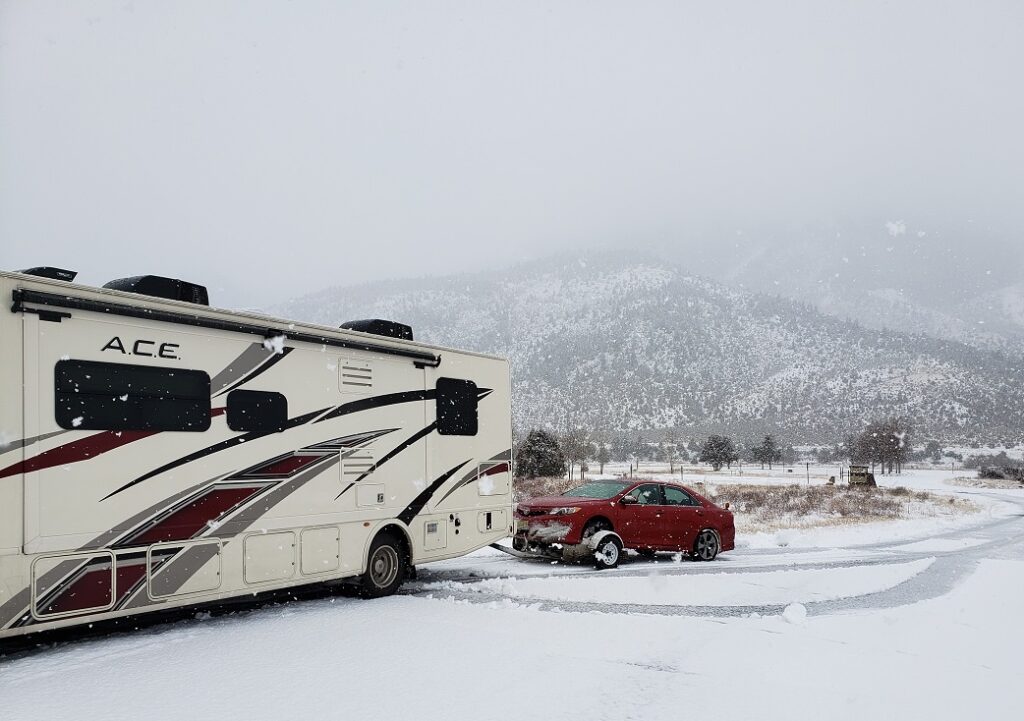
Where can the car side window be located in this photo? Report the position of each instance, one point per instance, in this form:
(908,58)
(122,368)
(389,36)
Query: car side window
(648,494)
(678,497)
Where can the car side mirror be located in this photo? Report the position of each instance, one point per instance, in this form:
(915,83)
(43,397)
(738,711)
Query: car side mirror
(628,501)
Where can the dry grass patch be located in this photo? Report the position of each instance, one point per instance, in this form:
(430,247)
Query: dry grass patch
(770,508)
(997,483)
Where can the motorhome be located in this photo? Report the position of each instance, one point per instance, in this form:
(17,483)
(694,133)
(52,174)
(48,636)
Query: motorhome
(157,453)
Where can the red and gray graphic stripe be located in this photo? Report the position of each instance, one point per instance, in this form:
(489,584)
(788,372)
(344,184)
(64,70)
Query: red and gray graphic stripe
(215,448)
(177,570)
(8,446)
(254,361)
(499,463)
(192,515)
(83,449)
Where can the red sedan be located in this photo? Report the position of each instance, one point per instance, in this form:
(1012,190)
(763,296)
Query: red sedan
(643,515)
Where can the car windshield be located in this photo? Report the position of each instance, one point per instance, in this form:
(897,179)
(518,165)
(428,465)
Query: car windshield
(597,489)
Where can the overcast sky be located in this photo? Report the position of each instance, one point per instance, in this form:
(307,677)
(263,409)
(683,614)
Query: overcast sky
(266,149)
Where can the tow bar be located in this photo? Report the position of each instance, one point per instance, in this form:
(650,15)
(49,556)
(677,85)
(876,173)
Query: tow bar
(517,554)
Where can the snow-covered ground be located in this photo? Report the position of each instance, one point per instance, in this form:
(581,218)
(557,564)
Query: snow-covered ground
(922,623)
(719,589)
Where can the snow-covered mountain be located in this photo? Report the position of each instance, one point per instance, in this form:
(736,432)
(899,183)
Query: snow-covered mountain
(958,281)
(615,343)
(1000,312)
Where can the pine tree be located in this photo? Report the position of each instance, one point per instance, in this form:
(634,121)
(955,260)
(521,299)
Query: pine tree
(886,443)
(539,455)
(718,451)
(767,451)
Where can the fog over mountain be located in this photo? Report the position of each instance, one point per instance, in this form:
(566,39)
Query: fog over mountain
(271,149)
(613,342)
(952,280)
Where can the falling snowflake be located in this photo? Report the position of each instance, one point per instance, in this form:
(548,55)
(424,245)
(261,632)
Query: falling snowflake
(896,228)
(275,344)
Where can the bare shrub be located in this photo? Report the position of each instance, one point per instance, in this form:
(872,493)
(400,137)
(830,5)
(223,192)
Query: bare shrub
(1001,473)
(523,488)
(772,507)
(776,502)
(1001,483)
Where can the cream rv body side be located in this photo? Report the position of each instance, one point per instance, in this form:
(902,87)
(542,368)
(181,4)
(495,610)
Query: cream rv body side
(156,453)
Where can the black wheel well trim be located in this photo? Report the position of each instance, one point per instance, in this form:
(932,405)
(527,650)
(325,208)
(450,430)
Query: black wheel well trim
(599,517)
(390,528)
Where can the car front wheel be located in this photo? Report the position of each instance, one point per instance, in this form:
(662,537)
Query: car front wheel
(608,552)
(705,548)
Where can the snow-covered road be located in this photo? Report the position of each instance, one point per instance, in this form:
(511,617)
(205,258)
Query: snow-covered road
(877,574)
(910,626)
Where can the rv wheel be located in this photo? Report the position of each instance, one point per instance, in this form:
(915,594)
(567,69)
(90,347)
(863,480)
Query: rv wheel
(386,567)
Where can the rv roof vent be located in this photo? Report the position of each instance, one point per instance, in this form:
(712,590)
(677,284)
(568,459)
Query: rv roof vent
(45,271)
(159,287)
(376,326)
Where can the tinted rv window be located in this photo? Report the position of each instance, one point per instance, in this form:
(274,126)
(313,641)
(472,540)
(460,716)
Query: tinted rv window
(456,407)
(257,411)
(94,396)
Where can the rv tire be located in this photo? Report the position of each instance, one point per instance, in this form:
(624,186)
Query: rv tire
(386,567)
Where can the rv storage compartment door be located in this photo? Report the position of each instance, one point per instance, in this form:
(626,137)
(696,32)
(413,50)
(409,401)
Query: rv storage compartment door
(321,550)
(269,557)
(435,533)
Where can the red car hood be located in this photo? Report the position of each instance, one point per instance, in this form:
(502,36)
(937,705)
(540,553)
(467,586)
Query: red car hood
(545,502)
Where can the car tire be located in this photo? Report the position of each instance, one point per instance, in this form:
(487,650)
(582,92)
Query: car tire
(608,552)
(706,547)
(387,565)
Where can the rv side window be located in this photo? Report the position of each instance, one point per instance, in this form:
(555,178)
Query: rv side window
(456,407)
(257,411)
(93,396)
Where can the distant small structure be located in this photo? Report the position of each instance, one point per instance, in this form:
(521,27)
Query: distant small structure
(861,476)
